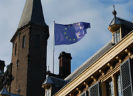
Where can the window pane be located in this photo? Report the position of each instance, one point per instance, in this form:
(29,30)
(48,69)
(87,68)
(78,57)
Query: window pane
(117,36)
(118,86)
(15,49)
(109,88)
(47,92)
(23,42)
(84,93)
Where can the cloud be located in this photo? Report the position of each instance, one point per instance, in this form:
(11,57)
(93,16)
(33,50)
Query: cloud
(9,18)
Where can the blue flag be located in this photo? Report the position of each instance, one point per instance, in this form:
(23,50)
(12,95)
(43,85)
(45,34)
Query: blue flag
(69,34)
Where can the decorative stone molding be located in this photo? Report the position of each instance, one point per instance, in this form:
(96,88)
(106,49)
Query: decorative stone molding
(117,58)
(128,52)
(110,66)
(102,73)
(94,79)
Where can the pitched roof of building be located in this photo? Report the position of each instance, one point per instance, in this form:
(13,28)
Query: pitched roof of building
(32,13)
(54,81)
(48,80)
(117,20)
(90,61)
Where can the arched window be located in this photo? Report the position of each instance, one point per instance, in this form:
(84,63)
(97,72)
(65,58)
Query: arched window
(15,49)
(23,41)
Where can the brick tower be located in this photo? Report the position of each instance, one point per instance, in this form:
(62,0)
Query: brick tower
(29,51)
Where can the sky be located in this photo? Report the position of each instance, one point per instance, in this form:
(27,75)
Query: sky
(97,12)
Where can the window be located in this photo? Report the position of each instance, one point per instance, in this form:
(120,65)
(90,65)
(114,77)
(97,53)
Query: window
(94,90)
(118,83)
(48,92)
(15,49)
(85,93)
(23,42)
(109,88)
(126,78)
(116,36)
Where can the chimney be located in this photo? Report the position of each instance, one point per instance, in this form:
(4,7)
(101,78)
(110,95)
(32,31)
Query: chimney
(64,64)
(2,65)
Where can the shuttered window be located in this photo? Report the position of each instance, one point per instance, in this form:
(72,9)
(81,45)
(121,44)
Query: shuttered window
(23,41)
(15,49)
(109,88)
(95,90)
(118,84)
(85,93)
(125,71)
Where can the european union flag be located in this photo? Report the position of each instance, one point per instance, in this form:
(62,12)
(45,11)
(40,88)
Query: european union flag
(69,34)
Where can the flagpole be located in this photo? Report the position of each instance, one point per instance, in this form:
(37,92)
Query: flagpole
(53,47)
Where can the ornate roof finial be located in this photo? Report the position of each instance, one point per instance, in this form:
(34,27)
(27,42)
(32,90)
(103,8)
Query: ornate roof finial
(114,12)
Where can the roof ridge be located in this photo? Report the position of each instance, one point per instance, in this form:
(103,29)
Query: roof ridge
(87,61)
(124,20)
(57,78)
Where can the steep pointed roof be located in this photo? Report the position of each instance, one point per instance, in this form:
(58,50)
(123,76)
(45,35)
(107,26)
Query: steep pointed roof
(32,13)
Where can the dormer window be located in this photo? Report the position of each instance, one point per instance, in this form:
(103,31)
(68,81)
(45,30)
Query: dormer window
(48,92)
(119,28)
(115,28)
(116,36)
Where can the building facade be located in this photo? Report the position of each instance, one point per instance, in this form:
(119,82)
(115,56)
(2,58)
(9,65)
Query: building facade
(109,72)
